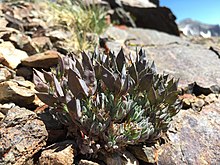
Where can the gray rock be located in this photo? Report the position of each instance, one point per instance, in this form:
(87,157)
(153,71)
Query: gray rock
(193,138)
(59,153)
(22,135)
(192,63)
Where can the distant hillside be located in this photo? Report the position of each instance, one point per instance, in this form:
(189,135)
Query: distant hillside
(196,28)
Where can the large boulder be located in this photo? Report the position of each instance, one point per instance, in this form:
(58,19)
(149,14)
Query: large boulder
(173,55)
(145,14)
(22,135)
(160,18)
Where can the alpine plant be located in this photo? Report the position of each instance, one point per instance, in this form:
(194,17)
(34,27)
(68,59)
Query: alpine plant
(109,102)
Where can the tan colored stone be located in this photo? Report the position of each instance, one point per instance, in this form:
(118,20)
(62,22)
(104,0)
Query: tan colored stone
(144,153)
(12,91)
(5,107)
(87,162)
(5,74)
(3,22)
(58,153)
(10,56)
(42,43)
(1,116)
(42,60)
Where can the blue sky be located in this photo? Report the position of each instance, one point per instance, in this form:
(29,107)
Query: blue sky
(207,11)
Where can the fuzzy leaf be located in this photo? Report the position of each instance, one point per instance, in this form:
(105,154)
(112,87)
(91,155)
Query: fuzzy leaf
(90,80)
(151,95)
(48,76)
(38,76)
(172,85)
(86,62)
(120,60)
(117,85)
(74,108)
(146,82)
(108,78)
(133,72)
(153,68)
(41,86)
(171,97)
(79,67)
(47,98)
(58,87)
(61,63)
(126,85)
(77,86)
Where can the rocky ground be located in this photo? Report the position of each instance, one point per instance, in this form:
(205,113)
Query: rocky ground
(29,134)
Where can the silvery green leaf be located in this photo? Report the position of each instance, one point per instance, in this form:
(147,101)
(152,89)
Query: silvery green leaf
(136,135)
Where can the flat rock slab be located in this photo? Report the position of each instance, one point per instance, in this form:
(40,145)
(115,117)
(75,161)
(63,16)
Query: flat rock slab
(174,55)
(194,138)
(22,135)
(191,63)
(41,60)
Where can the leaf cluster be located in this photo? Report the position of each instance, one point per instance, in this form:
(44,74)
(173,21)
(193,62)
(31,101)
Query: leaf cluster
(109,102)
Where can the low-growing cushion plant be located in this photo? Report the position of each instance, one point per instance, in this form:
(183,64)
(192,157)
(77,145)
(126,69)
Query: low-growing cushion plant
(109,102)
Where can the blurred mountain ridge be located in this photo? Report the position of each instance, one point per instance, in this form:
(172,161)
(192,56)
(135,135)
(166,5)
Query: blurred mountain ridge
(190,27)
